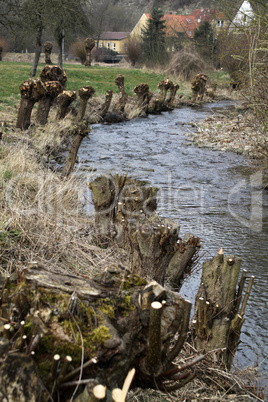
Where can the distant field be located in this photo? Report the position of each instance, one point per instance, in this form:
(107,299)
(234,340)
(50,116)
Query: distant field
(12,74)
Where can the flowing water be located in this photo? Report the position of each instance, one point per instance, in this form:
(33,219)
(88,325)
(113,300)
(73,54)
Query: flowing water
(214,195)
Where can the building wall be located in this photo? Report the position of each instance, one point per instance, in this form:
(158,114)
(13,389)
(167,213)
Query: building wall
(114,44)
(141,24)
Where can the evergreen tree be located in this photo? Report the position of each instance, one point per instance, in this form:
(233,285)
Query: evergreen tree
(154,37)
(205,40)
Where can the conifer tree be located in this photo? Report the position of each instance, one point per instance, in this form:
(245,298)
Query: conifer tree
(154,37)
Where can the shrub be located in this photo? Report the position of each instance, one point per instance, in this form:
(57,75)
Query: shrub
(134,51)
(77,49)
(186,65)
(233,52)
(3,45)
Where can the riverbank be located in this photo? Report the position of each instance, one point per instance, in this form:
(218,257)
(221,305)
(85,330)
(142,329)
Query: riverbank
(236,131)
(42,221)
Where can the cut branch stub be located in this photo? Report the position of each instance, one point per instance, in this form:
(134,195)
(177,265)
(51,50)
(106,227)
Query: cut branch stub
(185,251)
(52,90)
(64,99)
(48,46)
(106,104)
(31,91)
(80,131)
(120,83)
(89,45)
(85,93)
(216,318)
(53,73)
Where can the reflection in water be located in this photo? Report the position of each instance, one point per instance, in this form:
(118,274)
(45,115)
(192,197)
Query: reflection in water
(214,195)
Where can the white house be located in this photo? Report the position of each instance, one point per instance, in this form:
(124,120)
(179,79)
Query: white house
(244,15)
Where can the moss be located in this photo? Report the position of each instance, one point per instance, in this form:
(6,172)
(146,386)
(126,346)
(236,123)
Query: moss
(107,307)
(99,335)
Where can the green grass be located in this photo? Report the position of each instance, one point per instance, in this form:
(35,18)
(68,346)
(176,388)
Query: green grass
(12,74)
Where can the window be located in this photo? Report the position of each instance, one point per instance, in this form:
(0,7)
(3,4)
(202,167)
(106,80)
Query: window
(108,45)
(113,46)
(220,23)
(101,45)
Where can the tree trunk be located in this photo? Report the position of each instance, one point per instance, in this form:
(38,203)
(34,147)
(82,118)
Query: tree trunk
(120,82)
(85,94)
(53,88)
(31,91)
(60,42)
(37,52)
(64,100)
(106,326)
(217,322)
(79,133)
(48,46)
(106,104)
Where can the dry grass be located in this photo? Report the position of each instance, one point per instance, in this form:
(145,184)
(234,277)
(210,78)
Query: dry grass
(41,215)
(185,65)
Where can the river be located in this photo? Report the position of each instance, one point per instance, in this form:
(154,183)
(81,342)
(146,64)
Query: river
(214,195)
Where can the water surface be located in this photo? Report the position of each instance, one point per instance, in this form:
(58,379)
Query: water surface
(212,194)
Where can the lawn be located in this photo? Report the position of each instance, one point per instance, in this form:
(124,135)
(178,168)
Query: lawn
(12,74)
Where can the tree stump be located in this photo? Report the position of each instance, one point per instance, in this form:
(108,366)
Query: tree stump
(217,322)
(101,329)
(105,106)
(48,46)
(31,91)
(52,90)
(125,211)
(144,96)
(198,86)
(80,131)
(64,99)
(53,73)
(85,93)
(120,83)
(89,45)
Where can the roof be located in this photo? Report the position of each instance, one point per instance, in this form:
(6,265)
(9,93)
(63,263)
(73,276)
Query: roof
(179,23)
(207,14)
(114,35)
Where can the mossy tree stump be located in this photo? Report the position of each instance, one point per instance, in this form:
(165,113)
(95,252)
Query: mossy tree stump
(106,326)
(31,92)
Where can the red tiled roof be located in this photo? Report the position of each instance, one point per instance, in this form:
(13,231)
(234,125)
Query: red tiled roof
(207,14)
(114,35)
(179,23)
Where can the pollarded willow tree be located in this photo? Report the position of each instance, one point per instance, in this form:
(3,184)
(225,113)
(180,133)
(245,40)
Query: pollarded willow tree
(154,37)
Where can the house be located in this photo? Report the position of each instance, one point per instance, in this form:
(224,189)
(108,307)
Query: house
(174,24)
(116,41)
(243,16)
(215,17)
